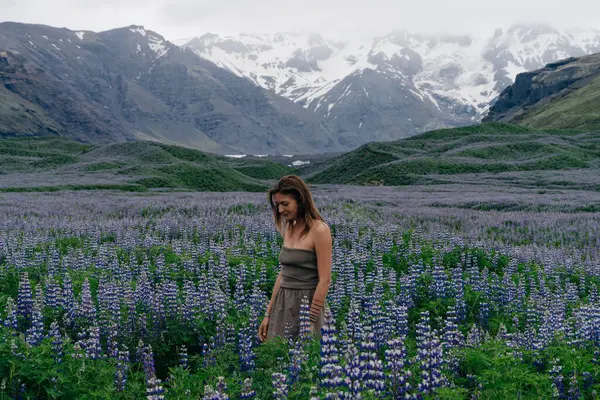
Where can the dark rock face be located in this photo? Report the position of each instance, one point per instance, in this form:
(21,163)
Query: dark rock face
(531,88)
(129,83)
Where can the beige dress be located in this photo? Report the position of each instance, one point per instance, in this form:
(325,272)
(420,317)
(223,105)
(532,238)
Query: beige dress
(299,278)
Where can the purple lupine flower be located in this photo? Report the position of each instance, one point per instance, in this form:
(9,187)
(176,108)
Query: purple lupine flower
(297,354)
(51,293)
(247,391)
(183,357)
(35,334)
(239,297)
(440,281)
(92,349)
(588,380)
(354,372)
(68,301)
(484,314)
(143,291)
(57,342)
(154,390)
(331,371)
(11,315)
(397,364)
(557,379)
(24,298)
(372,367)
(429,355)
(474,337)
(355,330)
(87,309)
(111,340)
(280,388)
(573,393)
(189,306)
(122,367)
(314,393)
(222,387)
(245,348)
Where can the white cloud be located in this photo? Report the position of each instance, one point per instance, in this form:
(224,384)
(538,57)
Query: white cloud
(184,18)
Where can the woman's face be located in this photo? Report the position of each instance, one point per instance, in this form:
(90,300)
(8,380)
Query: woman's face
(286,205)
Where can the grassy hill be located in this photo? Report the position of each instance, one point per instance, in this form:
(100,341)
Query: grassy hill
(579,109)
(43,164)
(433,156)
(561,95)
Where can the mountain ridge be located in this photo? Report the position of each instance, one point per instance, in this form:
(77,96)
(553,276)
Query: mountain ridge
(437,80)
(129,83)
(564,94)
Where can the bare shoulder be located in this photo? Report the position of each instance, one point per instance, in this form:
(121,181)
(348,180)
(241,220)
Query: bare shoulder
(321,230)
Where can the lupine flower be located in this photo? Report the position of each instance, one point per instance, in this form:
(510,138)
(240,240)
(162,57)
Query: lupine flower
(354,372)
(183,357)
(87,309)
(121,372)
(11,315)
(280,388)
(154,390)
(57,342)
(557,379)
(429,355)
(35,334)
(92,348)
(371,365)
(24,299)
(331,371)
(396,362)
(247,391)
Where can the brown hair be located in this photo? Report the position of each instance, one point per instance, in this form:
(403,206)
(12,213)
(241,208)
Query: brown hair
(294,186)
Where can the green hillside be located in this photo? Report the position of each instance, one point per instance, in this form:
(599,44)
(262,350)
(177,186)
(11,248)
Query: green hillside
(579,109)
(485,148)
(56,163)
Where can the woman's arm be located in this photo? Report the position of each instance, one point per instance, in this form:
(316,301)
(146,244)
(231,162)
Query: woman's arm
(323,248)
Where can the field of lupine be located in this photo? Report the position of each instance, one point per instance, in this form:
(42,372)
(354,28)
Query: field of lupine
(450,294)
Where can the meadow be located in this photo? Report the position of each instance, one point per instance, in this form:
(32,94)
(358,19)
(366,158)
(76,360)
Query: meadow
(438,292)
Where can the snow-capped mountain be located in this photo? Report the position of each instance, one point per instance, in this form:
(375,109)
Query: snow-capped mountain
(130,83)
(397,85)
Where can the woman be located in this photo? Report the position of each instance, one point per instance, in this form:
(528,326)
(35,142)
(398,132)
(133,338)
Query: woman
(305,260)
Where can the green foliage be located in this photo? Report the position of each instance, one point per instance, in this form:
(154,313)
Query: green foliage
(578,109)
(485,148)
(150,166)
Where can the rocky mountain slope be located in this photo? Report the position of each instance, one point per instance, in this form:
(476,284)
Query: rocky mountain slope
(565,94)
(398,85)
(130,83)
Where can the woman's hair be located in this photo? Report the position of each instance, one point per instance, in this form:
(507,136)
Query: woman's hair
(294,186)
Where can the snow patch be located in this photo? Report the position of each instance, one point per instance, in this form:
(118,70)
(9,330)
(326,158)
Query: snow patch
(158,46)
(80,34)
(139,30)
(45,37)
(235,155)
(56,47)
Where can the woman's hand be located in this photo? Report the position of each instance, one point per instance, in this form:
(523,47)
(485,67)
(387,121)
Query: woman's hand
(262,329)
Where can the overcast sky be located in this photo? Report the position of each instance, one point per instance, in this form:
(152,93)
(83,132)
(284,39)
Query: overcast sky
(185,18)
